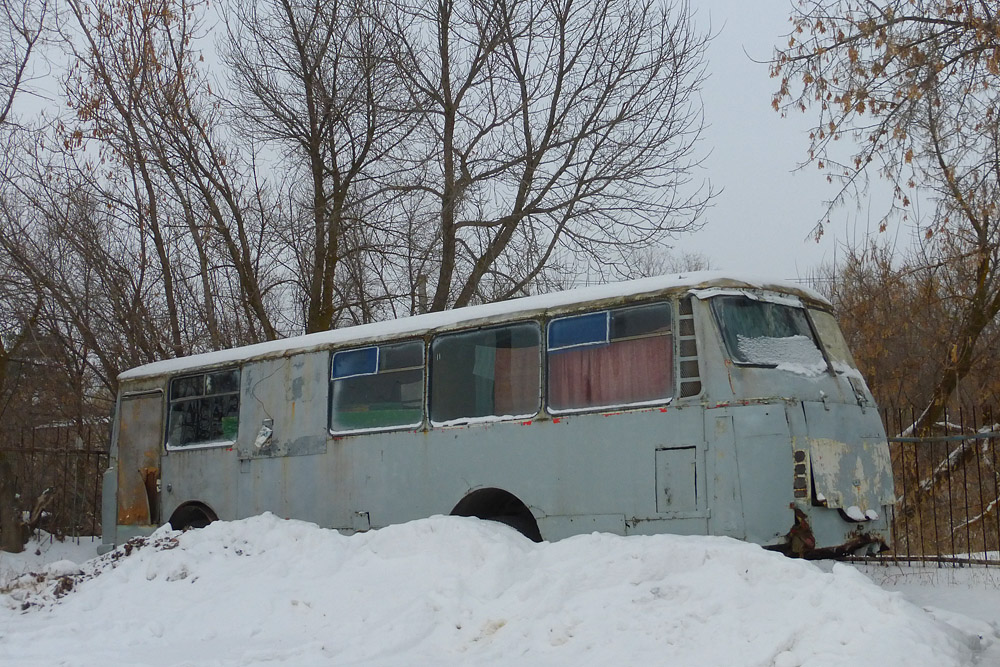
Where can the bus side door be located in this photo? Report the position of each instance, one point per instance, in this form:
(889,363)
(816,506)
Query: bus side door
(140,440)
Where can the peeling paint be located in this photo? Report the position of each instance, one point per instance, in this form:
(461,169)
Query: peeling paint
(847,475)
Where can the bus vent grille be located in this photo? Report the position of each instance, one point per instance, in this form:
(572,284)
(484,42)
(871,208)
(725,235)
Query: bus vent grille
(687,358)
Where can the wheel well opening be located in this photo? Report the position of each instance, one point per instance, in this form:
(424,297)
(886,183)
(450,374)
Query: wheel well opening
(192,515)
(502,506)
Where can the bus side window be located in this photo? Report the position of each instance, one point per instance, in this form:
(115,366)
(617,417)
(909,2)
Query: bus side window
(204,408)
(491,372)
(377,387)
(610,358)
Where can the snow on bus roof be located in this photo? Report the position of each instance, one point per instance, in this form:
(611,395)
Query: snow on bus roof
(695,280)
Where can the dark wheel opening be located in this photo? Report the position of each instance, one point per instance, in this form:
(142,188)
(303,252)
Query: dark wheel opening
(192,515)
(500,506)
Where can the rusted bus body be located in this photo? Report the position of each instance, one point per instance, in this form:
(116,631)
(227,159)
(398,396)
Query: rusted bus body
(697,404)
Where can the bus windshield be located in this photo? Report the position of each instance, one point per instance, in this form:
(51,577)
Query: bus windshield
(762,333)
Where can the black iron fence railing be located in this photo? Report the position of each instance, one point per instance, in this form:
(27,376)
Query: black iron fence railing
(57,469)
(947,488)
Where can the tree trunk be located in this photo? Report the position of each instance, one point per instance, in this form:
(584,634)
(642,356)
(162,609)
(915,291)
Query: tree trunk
(10,527)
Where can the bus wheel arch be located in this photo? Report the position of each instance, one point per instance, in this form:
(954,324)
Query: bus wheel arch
(192,514)
(493,504)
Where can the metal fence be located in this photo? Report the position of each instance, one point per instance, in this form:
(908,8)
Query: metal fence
(70,460)
(947,488)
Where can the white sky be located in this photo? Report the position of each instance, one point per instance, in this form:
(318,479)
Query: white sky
(762,221)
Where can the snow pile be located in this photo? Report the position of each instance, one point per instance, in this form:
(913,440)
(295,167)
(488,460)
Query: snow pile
(44,548)
(456,591)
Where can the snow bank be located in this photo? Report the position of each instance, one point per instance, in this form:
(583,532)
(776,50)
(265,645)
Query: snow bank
(456,591)
(43,549)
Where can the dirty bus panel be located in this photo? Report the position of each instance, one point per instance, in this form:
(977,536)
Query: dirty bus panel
(139,433)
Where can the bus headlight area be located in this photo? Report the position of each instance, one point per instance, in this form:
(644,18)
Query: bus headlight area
(700,404)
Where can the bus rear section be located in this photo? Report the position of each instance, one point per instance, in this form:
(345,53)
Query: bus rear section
(131,486)
(810,468)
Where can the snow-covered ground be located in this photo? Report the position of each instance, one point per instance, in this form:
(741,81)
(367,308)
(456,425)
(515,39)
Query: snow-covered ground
(457,591)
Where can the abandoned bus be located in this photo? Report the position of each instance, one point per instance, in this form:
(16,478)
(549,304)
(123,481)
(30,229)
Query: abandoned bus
(696,404)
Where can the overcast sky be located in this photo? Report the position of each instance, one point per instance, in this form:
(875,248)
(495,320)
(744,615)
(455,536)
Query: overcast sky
(762,220)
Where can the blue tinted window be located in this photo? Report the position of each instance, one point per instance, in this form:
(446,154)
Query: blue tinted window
(355,362)
(590,329)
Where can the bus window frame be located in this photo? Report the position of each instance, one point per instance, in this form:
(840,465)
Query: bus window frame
(671,333)
(485,419)
(424,381)
(206,444)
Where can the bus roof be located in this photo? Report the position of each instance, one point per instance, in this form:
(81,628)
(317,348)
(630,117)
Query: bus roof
(418,324)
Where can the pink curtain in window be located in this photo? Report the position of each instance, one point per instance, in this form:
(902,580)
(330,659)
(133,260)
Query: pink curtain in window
(516,381)
(622,372)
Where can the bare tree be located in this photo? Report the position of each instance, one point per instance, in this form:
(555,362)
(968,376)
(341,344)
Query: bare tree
(314,85)
(112,76)
(195,191)
(21,26)
(524,139)
(552,127)
(894,306)
(914,83)
(21,30)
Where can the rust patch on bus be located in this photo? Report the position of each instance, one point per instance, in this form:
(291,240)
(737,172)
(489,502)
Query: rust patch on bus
(140,438)
(801,540)
(133,510)
(801,543)
(138,503)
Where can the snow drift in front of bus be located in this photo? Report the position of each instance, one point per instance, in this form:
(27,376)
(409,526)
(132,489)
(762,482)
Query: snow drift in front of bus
(456,591)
